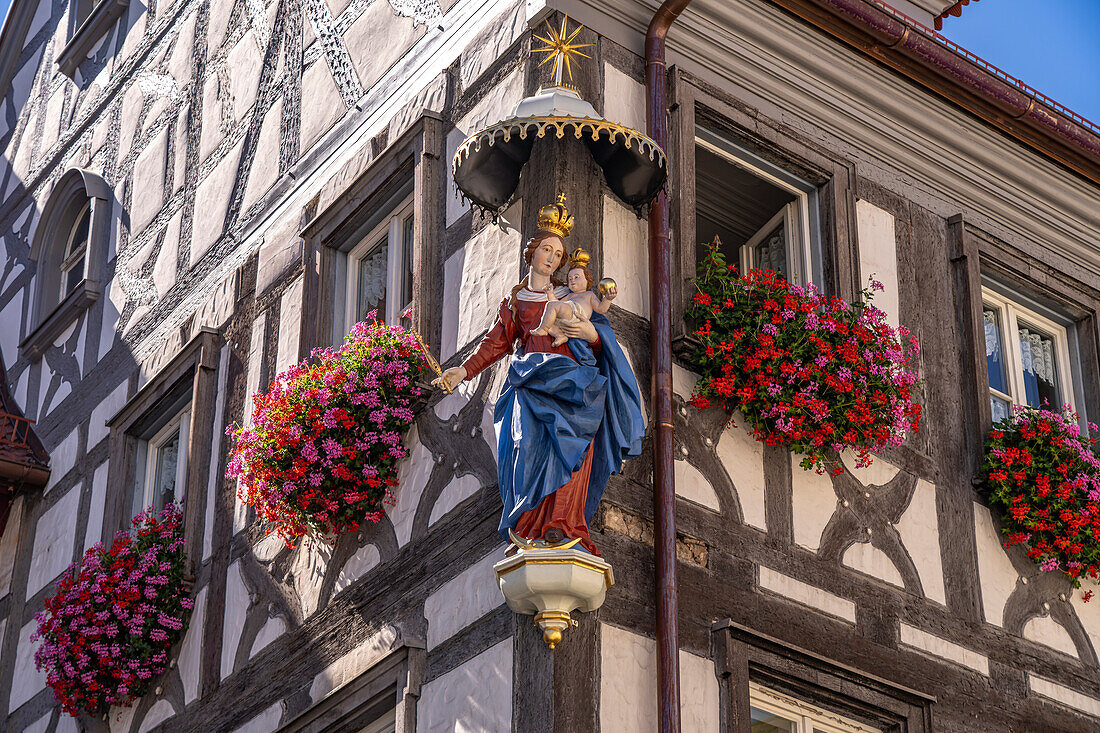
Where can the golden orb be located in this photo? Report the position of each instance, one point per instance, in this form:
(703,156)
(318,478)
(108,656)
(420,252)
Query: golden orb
(605,285)
(552,637)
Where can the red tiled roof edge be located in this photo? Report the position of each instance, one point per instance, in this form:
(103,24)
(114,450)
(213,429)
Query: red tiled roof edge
(955,11)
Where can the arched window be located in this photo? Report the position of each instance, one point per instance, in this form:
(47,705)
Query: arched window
(76,250)
(69,248)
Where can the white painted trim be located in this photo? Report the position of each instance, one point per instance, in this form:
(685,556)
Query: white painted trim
(795,216)
(1010,313)
(389,229)
(808,718)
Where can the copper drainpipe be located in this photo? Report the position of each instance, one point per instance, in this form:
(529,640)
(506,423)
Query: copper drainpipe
(660,337)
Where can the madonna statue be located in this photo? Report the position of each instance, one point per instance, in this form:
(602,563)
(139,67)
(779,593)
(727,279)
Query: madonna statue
(570,414)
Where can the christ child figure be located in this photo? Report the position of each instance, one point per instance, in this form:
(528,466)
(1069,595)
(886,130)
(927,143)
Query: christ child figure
(579,304)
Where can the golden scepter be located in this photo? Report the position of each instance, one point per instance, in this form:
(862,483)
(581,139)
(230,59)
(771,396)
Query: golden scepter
(432,361)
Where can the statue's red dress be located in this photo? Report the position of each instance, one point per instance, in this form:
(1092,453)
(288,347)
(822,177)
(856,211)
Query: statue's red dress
(564,509)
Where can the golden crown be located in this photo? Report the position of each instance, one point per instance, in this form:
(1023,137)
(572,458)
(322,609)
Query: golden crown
(579,258)
(555,218)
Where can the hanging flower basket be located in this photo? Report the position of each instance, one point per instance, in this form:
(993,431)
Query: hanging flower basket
(106,633)
(808,372)
(325,443)
(1041,475)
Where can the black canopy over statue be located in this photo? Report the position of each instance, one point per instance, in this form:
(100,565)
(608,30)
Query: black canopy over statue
(487,165)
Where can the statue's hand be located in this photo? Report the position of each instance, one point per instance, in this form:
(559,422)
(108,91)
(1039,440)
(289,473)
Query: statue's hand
(451,378)
(579,329)
(612,293)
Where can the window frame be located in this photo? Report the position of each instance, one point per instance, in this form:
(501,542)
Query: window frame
(695,103)
(1011,310)
(978,259)
(803,251)
(411,166)
(51,311)
(744,657)
(809,718)
(390,229)
(148,452)
(387,690)
(82,38)
(188,383)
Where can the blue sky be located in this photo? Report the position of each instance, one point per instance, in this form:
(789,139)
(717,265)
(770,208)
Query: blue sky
(1052,45)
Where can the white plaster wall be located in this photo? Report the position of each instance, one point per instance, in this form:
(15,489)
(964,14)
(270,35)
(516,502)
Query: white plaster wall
(997,576)
(290,326)
(1089,615)
(458,702)
(814,501)
(265,722)
(623,98)
(628,685)
(272,630)
(346,668)
(879,473)
(236,610)
(93,533)
(1045,630)
(866,558)
(920,533)
(161,711)
(1063,695)
(41,725)
(504,30)
(929,644)
(878,256)
(26,680)
(412,476)
(743,457)
(805,594)
(358,565)
(62,457)
(692,485)
(498,103)
(190,658)
(308,568)
(454,494)
(53,541)
(476,279)
(463,599)
(104,411)
(626,255)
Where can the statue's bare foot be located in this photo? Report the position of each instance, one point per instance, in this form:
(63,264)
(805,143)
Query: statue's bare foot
(554,536)
(540,331)
(561,339)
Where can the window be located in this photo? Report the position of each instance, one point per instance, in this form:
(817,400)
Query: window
(773,712)
(381,699)
(72,266)
(380,269)
(161,465)
(1027,355)
(764,216)
(69,251)
(160,442)
(372,241)
(89,22)
(79,10)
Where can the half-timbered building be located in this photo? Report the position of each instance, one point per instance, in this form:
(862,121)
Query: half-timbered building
(194,194)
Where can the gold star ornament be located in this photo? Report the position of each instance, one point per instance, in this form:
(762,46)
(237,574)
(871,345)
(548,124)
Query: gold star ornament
(561,50)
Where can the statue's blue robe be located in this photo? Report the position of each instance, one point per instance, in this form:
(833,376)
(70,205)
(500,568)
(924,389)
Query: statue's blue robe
(551,409)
